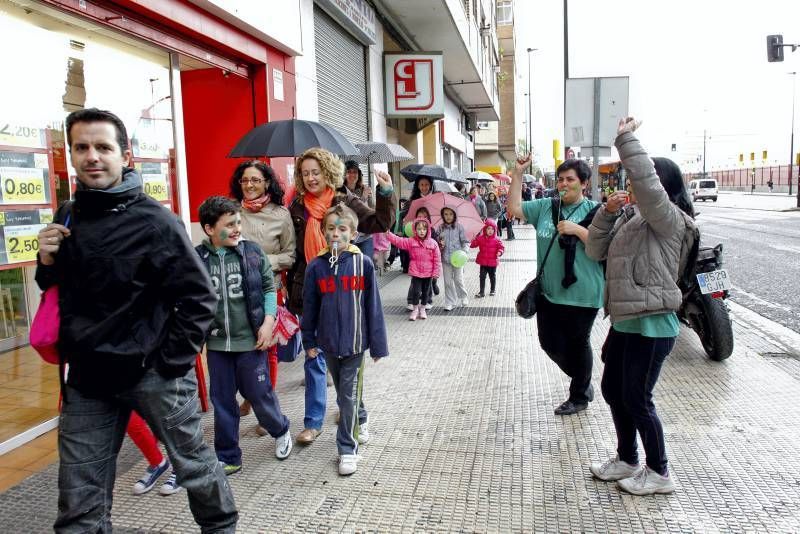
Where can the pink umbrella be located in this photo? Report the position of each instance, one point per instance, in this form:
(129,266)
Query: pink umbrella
(502,178)
(465,210)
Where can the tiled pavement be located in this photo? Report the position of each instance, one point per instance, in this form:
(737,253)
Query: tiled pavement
(464,439)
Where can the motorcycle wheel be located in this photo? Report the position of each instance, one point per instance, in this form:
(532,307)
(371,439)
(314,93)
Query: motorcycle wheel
(716,330)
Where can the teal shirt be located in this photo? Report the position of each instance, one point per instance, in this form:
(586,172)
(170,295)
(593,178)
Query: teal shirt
(659,325)
(231,330)
(587,292)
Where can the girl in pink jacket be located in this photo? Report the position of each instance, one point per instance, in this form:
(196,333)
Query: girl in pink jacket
(490,248)
(425,263)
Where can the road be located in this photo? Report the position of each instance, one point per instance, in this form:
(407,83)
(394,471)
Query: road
(761,254)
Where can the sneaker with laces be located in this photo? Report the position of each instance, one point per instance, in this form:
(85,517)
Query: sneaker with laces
(478,295)
(613,469)
(647,482)
(348,464)
(491,293)
(171,486)
(363,433)
(410,307)
(283,445)
(428,306)
(448,308)
(150,477)
(230,469)
(422,313)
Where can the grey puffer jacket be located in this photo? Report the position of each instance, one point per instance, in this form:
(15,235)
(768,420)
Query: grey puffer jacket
(646,246)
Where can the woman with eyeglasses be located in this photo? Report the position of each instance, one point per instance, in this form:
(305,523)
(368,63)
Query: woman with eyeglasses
(317,175)
(267,222)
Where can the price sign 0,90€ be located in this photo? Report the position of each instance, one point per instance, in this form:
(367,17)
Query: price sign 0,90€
(22,186)
(155,185)
(22,242)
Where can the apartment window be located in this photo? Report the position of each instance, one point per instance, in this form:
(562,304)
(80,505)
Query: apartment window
(505,12)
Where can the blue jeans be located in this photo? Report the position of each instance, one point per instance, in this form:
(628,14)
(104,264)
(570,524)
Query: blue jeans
(316,391)
(633,363)
(246,372)
(90,434)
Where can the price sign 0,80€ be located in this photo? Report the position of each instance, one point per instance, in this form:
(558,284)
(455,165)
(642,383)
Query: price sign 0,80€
(22,186)
(22,242)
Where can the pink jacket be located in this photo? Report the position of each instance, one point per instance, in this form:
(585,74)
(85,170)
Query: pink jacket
(380,243)
(426,261)
(490,248)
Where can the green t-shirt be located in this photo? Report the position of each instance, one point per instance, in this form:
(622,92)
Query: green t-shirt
(659,325)
(587,292)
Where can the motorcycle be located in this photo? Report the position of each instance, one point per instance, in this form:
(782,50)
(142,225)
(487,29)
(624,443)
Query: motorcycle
(704,308)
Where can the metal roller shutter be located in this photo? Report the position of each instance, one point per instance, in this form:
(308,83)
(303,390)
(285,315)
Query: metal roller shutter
(341,78)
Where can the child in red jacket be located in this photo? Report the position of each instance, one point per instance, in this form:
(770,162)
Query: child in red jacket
(490,248)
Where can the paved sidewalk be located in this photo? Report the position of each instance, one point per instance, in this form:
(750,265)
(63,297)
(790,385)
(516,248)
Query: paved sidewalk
(464,438)
(757,201)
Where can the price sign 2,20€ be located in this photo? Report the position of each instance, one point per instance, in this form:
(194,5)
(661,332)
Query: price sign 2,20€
(22,242)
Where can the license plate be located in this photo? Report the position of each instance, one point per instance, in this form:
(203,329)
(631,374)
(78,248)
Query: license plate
(714,281)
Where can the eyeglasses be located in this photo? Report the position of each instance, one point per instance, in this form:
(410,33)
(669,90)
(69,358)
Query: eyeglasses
(254,181)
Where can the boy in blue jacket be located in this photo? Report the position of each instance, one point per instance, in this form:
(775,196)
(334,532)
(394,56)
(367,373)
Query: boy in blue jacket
(241,332)
(343,318)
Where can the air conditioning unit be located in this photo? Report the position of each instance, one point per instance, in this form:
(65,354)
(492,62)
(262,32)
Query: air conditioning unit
(472,122)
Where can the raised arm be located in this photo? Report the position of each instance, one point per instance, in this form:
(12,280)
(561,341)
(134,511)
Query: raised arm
(514,205)
(663,217)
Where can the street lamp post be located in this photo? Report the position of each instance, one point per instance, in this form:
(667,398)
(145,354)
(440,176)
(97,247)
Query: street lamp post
(791,146)
(530,102)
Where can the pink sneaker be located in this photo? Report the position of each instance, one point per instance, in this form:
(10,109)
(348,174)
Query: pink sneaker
(422,313)
(414,314)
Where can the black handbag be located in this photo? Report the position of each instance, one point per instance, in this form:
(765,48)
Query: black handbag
(527,298)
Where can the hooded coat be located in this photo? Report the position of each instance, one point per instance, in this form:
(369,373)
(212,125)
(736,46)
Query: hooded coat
(426,261)
(489,246)
(452,238)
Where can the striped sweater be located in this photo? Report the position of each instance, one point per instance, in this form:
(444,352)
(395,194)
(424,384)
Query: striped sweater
(342,311)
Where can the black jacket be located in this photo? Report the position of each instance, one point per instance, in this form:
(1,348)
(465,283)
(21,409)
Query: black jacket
(132,292)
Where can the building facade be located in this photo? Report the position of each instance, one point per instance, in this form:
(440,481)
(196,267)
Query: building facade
(188,78)
(496,141)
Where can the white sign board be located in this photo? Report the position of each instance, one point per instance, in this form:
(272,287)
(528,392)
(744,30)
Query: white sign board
(580,105)
(414,84)
(356,16)
(277,84)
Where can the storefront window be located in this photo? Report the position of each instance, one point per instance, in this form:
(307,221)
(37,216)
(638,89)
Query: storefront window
(54,64)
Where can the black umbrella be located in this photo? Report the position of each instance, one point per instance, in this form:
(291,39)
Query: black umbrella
(376,152)
(290,138)
(434,172)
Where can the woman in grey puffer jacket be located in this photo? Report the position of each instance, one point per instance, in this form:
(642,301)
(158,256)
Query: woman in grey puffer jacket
(647,244)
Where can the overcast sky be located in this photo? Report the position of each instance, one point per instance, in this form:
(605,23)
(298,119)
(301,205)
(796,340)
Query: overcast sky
(693,65)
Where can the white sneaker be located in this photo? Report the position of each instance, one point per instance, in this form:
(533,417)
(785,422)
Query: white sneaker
(647,482)
(428,306)
(363,433)
(283,445)
(613,469)
(348,464)
(448,308)
(410,307)
(464,301)
(170,487)
(150,477)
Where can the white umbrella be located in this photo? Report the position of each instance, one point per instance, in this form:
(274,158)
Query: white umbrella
(479,176)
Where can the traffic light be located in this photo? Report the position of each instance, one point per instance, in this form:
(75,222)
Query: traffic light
(774,48)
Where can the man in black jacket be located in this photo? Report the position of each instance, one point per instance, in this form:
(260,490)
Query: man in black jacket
(135,305)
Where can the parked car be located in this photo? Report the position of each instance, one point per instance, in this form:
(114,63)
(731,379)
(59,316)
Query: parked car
(703,189)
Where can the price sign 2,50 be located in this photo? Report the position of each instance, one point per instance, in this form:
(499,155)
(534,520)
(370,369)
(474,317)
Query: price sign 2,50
(22,242)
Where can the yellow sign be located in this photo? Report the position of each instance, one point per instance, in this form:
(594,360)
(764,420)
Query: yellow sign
(20,185)
(155,185)
(741,158)
(764,155)
(556,149)
(27,136)
(752,156)
(22,242)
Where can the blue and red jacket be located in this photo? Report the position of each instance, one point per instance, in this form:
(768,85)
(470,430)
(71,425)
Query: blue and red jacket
(342,311)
